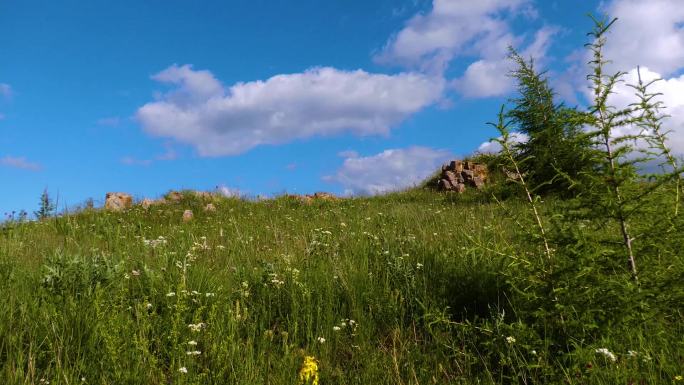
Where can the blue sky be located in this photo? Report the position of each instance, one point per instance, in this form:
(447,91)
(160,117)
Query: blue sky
(266,97)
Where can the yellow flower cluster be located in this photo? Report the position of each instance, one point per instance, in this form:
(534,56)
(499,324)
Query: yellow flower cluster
(308,375)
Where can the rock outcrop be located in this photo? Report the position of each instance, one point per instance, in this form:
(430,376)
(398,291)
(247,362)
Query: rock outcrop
(117,201)
(458,175)
(187,215)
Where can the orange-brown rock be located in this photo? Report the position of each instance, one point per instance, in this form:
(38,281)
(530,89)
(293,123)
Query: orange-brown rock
(117,201)
(187,215)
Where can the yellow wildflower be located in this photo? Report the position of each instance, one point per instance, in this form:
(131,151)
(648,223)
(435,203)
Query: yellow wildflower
(309,373)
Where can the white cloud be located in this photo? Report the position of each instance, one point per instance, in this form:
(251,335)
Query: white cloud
(672,91)
(5,90)
(20,162)
(229,192)
(647,33)
(489,76)
(220,120)
(461,28)
(492,147)
(389,170)
(452,27)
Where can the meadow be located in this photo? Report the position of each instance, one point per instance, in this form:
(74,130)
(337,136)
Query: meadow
(415,287)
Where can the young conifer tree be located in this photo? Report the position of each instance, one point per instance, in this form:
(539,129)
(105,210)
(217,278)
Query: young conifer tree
(46,206)
(615,191)
(650,122)
(555,152)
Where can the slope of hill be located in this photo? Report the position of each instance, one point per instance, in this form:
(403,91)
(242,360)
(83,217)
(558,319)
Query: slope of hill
(410,288)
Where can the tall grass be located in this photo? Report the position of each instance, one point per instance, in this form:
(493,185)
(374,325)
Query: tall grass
(409,288)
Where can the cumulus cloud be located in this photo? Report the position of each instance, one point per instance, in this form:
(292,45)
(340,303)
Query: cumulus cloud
(430,41)
(648,33)
(219,120)
(387,171)
(672,95)
(20,162)
(492,146)
(461,28)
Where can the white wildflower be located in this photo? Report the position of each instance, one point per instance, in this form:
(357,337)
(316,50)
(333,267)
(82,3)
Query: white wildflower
(632,353)
(183,370)
(192,343)
(135,273)
(510,339)
(321,340)
(148,306)
(193,353)
(170,294)
(607,353)
(197,327)
(419,266)
(336,328)
(209,294)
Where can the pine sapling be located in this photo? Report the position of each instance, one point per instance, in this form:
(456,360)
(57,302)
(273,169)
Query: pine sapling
(651,123)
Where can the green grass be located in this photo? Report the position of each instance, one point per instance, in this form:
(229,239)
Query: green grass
(409,288)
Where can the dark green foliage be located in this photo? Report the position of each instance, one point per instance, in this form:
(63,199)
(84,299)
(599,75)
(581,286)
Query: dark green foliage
(556,150)
(46,207)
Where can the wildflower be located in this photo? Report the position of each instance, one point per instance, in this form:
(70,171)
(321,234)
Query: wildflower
(148,306)
(321,340)
(183,370)
(210,294)
(135,273)
(510,339)
(193,353)
(197,327)
(343,224)
(171,294)
(308,374)
(419,266)
(607,353)
(679,377)
(192,343)
(336,328)
(632,354)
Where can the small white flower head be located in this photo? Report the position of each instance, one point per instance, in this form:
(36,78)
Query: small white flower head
(135,273)
(607,354)
(336,328)
(510,339)
(183,370)
(533,352)
(171,294)
(148,306)
(632,354)
(192,343)
(321,340)
(419,266)
(197,327)
(193,353)
(210,294)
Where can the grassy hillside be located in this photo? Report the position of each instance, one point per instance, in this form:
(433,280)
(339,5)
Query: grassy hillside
(410,288)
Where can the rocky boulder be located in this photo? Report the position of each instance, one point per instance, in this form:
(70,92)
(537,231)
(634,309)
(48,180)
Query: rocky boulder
(457,175)
(117,201)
